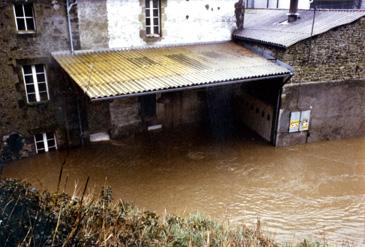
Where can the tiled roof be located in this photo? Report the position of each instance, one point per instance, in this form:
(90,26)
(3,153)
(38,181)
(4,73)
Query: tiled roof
(110,73)
(270,25)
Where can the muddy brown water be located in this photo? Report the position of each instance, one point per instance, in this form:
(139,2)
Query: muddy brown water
(306,191)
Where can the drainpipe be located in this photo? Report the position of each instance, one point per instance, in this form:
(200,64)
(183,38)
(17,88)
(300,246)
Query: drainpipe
(80,122)
(69,6)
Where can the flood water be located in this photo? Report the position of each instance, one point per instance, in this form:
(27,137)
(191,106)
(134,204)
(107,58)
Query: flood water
(314,190)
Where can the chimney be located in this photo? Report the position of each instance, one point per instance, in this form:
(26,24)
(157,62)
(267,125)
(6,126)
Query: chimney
(293,11)
(240,14)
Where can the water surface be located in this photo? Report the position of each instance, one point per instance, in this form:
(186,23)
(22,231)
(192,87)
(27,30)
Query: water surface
(314,190)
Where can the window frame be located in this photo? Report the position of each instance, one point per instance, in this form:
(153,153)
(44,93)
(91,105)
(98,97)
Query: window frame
(151,17)
(35,83)
(45,140)
(24,17)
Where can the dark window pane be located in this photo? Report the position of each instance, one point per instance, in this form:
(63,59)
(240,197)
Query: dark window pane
(41,151)
(39,68)
(32,98)
(40,145)
(28,79)
(155,3)
(42,87)
(21,24)
(148,30)
(41,78)
(28,10)
(27,69)
(148,21)
(51,148)
(30,89)
(156,30)
(18,10)
(44,96)
(30,24)
(155,12)
(147,12)
(49,135)
(155,21)
(147,3)
(39,137)
(51,143)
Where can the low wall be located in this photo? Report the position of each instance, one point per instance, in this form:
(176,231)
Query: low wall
(337,111)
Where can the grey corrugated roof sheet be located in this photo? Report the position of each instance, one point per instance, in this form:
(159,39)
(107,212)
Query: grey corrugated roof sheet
(270,25)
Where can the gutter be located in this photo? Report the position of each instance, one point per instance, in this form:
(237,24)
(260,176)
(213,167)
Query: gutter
(215,84)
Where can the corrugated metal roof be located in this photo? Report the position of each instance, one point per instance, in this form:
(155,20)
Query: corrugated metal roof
(103,74)
(270,25)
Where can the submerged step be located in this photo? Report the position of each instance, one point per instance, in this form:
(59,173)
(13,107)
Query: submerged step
(99,137)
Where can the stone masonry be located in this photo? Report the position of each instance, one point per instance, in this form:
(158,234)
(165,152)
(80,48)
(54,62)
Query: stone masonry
(16,115)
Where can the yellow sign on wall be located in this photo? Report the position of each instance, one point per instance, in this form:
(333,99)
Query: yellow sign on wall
(294,122)
(299,121)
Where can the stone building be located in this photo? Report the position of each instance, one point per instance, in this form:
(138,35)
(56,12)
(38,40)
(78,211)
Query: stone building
(147,64)
(328,65)
(34,92)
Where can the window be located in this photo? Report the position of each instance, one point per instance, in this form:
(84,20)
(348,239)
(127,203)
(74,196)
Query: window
(35,81)
(24,17)
(153,28)
(45,142)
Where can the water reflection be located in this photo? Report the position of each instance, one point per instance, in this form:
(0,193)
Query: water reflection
(308,190)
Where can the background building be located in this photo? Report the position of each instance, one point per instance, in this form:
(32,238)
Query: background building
(339,4)
(328,65)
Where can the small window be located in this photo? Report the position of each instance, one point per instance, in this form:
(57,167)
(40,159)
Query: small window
(45,142)
(24,17)
(153,9)
(35,82)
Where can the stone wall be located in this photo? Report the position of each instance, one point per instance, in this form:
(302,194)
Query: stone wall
(122,117)
(333,56)
(93,23)
(329,78)
(16,116)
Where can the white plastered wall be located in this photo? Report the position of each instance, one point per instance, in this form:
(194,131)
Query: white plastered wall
(183,22)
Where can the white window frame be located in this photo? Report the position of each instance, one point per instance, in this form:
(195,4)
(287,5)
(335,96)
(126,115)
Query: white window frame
(150,16)
(35,83)
(45,143)
(25,20)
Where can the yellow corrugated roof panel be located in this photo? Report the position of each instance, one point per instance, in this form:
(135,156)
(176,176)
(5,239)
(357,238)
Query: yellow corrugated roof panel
(110,73)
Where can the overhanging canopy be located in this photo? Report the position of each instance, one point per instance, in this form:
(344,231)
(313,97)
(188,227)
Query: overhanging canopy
(118,73)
